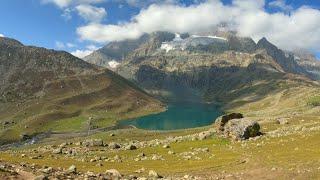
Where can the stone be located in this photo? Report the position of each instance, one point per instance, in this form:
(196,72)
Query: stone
(6,123)
(282,121)
(141,155)
(113,173)
(171,152)
(131,147)
(204,135)
(63,145)
(142,178)
(72,169)
(140,170)
(221,121)
(40,177)
(25,137)
(47,170)
(57,151)
(92,142)
(241,129)
(114,145)
(99,164)
(166,146)
(153,174)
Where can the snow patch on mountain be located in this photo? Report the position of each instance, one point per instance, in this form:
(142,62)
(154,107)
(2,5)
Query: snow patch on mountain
(113,64)
(166,46)
(181,44)
(212,37)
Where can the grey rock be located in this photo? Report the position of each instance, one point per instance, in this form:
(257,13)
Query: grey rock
(40,177)
(114,145)
(282,121)
(240,129)
(72,169)
(222,120)
(92,142)
(153,174)
(57,151)
(115,174)
(131,147)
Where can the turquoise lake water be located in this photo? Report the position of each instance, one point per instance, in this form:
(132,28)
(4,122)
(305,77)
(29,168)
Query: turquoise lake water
(177,116)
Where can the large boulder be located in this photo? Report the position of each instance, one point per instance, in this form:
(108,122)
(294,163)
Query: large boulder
(114,174)
(222,120)
(237,127)
(241,129)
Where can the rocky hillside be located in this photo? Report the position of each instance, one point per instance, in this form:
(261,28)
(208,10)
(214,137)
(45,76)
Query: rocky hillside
(45,90)
(25,70)
(118,51)
(212,68)
(308,62)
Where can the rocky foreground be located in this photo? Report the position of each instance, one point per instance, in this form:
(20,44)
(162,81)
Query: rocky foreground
(112,158)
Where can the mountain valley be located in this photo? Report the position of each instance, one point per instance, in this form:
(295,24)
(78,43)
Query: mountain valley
(60,114)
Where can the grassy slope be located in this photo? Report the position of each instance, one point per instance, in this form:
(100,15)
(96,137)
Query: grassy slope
(293,155)
(69,103)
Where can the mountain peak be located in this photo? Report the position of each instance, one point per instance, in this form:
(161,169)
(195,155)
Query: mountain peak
(263,42)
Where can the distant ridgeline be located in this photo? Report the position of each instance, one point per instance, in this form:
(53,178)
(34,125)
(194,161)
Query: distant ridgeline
(218,67)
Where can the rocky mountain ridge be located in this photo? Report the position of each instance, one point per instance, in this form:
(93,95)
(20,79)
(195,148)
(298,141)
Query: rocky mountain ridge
(45,90)
(159,42)
(208,67)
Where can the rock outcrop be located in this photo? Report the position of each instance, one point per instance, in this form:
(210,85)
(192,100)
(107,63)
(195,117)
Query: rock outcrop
(237,127)
(222,120)
(241,129)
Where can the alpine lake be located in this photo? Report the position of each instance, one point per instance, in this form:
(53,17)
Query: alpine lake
(177,116)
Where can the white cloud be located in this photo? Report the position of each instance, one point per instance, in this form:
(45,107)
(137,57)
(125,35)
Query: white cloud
(91,13)
(281,4)
(92,47)
(145,3)
(66,3)
(70,45)
(1,35)
(59,3)
(59,45)
(81,53)
(299,29)
(67,14)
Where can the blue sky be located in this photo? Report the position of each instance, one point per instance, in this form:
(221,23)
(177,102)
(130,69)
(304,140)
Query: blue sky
(48,24)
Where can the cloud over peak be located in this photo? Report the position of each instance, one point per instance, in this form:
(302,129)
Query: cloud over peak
(247,17)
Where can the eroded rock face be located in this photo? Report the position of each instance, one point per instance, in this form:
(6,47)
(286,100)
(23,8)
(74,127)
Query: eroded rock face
(237,127)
